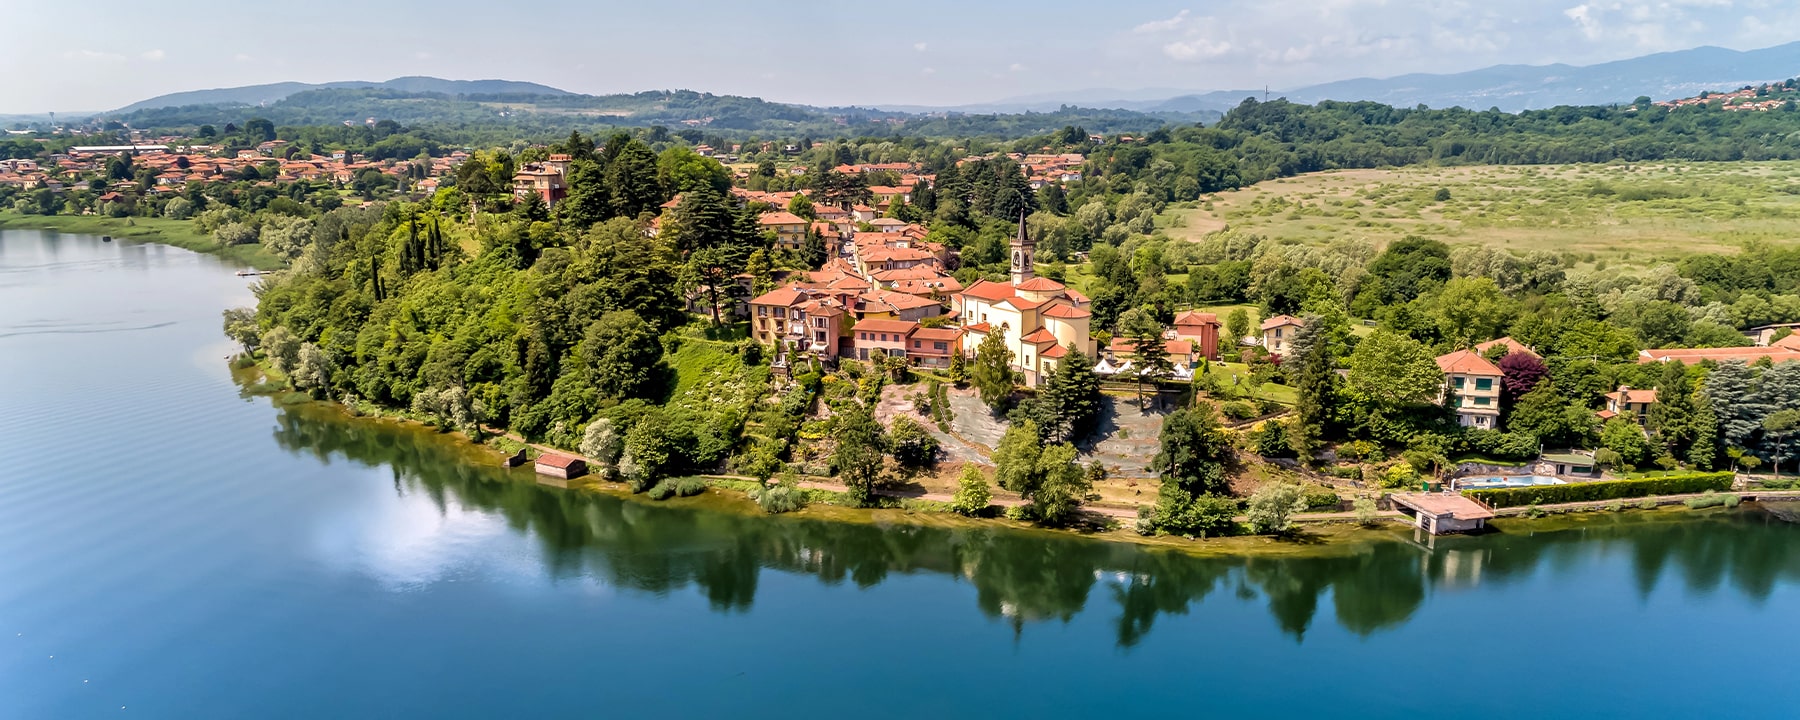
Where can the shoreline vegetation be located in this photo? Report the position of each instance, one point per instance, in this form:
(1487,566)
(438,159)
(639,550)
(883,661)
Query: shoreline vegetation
(176,233)
(1312,535)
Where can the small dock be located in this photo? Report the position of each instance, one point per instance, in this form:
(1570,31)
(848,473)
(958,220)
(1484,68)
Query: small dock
(1440,513)
(254,273)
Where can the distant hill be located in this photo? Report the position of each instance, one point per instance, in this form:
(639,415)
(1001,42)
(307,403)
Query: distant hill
(276,92)
(1512,88)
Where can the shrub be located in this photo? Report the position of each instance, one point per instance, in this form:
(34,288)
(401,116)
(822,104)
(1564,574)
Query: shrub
(1366,512)
(778,499)
(689,486)
(662,490)
(1615,506)
(1272,506)
(1358,450)
(1606,490)
(1322,499)
(1238,410)
(1647,504)
(1712,499)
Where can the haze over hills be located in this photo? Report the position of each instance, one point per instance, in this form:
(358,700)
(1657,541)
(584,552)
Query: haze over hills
(276,92)
(1511,88)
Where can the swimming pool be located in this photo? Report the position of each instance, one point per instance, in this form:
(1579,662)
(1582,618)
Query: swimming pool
(1504,481)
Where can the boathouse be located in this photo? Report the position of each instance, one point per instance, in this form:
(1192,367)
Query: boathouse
(561,466)
(1440,513)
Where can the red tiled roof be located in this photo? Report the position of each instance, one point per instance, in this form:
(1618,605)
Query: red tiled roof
(780,296)
(1694,355)
(1041,284)
(558,461)
(1511,345)
(1628,395)
(990,290)
(1282,321)
(1466,362)
(1040,337)
(888,326)
(926,333)
(1054,352)
(780,218)
(979,327)
(1192,317)
(1065,312)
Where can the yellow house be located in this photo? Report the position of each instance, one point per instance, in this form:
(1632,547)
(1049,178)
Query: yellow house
(1472,387)
(789,229)
(1278,332)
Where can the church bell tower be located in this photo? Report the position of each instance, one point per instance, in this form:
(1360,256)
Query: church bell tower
(1023,247)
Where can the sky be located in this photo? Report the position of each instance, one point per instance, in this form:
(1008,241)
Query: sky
(832,52)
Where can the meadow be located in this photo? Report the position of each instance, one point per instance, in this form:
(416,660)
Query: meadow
(1631,213)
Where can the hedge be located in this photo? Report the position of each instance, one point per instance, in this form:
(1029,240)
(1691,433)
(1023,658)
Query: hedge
(1604,490)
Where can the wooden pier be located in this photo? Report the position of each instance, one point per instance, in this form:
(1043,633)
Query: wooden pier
(1440,513)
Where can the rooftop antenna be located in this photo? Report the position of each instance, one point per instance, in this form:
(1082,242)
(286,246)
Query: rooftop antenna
(1265,93)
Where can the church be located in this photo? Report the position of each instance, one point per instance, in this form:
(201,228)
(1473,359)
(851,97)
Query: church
(1040,318)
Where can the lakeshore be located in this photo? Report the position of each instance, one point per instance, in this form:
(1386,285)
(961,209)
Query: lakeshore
(175,233)
(189,551)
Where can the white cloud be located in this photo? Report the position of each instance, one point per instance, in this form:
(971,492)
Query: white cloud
(153,55)
(93,55)
(1159,26)
(241,57)
(919,46)
(1018,67)
(928,71)
(1197,49)
(422,55)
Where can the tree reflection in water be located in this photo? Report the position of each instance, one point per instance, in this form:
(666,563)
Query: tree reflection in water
(1027,577)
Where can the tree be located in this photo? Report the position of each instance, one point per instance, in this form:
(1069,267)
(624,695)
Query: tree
(914,447)
(1272,506)
(1016,458)
(1148,353)
(814,251)
(1520,373)
(602,443)
(282,349)
(972,494)
(1778,427)
(1193,449)
(993,373)
(1391,371)
(1625,438)
(1061,486)
(1237,325)
(623,355)
(802,206)
(708,271)
(1544,414)
(857,457)
(1671,420)
(241,327)
(1071,397)
(1314,374)
(1470,310)
(631,178)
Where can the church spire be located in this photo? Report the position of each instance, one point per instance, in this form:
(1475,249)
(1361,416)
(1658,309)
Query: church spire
(1023,248)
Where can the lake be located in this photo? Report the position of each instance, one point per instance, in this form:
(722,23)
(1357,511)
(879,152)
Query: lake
(170,548)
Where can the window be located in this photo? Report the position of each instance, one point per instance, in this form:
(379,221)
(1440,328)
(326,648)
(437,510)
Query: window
(939,346)
(1482,401)
(762,311)
(1457,382)
(917,344)
(1484,384)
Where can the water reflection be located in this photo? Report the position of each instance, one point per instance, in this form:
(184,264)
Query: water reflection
(1023,578)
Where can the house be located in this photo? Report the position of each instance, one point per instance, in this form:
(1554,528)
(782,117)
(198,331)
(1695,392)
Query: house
(561,466)
(889,337)
(789,229)
(1201,329)
(1765,336)
(809,320)
(1783,350)
(888,225)
(932,347)
(1039,317)
(864,213)
(1278,332)
(1471,388)
(544,180)
(1181,352)
(1634,404)
(1568,463)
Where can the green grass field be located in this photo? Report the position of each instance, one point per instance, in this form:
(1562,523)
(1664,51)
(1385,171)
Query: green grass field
(179,233)
(1618,213)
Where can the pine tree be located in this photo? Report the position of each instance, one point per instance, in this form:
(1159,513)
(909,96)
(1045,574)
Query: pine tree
(993,373)
(1671,420)
(1072,396)
(631,180)
(1314,370)
(1148,353)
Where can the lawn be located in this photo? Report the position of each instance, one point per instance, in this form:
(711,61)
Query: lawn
(1228,372)
(1616,213)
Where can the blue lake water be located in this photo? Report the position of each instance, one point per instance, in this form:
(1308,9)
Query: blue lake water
(172,549)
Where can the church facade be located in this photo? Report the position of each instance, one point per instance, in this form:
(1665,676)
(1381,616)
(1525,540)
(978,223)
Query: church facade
(1039,318)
